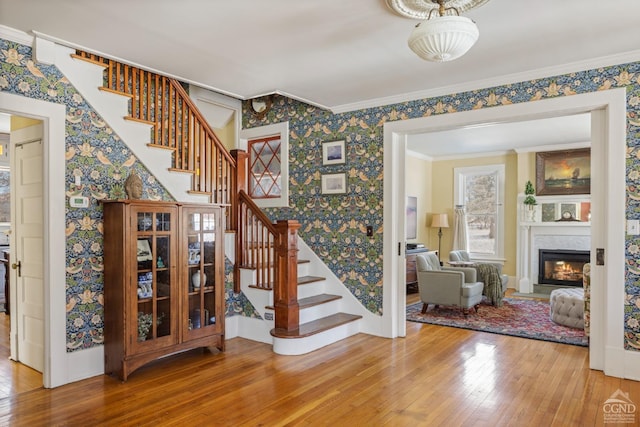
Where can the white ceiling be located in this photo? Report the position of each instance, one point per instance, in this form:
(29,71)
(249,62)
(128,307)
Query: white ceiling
(533,135)
(337,54)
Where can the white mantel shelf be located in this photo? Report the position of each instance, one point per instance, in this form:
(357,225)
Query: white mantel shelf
(556,224)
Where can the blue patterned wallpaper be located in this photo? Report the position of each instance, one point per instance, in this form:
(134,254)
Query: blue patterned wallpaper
(334,225)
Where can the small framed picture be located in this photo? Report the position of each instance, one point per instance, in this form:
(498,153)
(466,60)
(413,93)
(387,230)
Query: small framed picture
(334,183)
(333,153)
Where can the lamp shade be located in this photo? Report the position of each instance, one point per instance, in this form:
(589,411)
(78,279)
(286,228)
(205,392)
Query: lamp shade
(440,221)
(443,38)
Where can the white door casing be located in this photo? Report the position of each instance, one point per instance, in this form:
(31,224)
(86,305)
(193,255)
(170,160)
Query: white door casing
(26,244)
(608,108)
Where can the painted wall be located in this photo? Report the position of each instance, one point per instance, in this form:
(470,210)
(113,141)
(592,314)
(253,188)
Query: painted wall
(18,122)
(419,184)
(334,226)
(443,193)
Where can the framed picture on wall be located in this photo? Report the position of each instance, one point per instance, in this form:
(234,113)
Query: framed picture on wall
(412,217)
(333,153)
(5,193)
(563,172)
(334,183)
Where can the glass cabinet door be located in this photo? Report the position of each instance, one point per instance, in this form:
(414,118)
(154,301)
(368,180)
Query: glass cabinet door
(154,299)
(200,229)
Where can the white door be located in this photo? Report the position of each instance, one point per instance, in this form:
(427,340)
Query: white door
(27,244)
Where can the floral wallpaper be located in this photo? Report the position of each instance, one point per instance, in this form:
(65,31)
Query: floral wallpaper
(334,225)
(103,162)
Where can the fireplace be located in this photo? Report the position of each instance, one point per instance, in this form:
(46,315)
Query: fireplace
(561,267)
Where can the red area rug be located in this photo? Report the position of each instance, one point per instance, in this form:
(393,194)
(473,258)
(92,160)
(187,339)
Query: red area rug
(517,317)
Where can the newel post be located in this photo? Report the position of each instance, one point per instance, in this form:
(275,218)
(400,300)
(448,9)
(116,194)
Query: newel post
(242,164)
(286,287)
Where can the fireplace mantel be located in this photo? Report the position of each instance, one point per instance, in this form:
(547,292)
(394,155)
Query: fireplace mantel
(532,236)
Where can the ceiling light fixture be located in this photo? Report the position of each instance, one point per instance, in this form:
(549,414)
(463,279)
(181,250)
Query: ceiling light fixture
(443,36)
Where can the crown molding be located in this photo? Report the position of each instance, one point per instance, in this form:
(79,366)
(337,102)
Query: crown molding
(535,74)
(17,36)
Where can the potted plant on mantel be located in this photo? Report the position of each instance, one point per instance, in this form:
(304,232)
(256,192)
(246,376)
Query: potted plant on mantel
(530,201)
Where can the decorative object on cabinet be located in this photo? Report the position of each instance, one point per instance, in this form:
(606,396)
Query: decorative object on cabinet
(563,172)
(150,299)
(133,186)
(145,320)
(196,278)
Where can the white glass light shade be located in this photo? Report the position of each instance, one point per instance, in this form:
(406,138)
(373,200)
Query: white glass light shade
(443,38)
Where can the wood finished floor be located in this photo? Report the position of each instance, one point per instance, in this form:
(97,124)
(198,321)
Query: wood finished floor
(434,376)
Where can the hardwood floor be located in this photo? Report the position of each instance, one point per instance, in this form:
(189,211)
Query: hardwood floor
(434,376)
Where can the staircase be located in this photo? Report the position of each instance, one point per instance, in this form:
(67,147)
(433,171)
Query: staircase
(156,118)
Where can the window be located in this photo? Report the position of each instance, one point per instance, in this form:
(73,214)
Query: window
(268,150)
(265,168)
(481,190)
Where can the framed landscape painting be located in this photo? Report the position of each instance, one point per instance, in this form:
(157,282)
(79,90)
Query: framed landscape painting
(5,192)
(412,217)
(335,183)
(333,153)
(563,172)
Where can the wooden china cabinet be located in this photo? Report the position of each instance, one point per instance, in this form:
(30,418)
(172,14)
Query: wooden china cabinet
(163,281)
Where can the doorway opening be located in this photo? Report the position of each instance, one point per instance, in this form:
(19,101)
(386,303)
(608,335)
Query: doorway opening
(608,118)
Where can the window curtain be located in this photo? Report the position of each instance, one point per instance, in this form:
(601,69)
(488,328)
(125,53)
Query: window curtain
(460,240)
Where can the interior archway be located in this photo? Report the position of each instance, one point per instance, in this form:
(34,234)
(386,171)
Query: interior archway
(608,146)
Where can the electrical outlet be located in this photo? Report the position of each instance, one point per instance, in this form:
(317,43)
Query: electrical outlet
(369,231)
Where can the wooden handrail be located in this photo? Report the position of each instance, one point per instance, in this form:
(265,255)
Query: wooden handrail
(178,125)
(272,250)
(255,242)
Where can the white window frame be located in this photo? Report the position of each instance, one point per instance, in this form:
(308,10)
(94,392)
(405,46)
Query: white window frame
(459,199)
(281,130)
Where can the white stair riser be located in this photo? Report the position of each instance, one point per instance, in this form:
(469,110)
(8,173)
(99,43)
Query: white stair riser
(311,289)
(303,269)
(294,347)
(319,311)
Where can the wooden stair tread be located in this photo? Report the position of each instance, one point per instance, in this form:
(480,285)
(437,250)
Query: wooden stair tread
(163,147)
(300,261)
(137,120)
(190,171)
(84,58)
(312,301)
(303,280)
(316,326)
(117,92)
(316,300)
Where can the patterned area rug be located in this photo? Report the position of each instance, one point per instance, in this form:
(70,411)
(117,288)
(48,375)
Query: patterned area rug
(516,317)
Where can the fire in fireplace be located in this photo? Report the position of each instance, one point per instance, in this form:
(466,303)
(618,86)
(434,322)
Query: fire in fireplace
(561,267)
